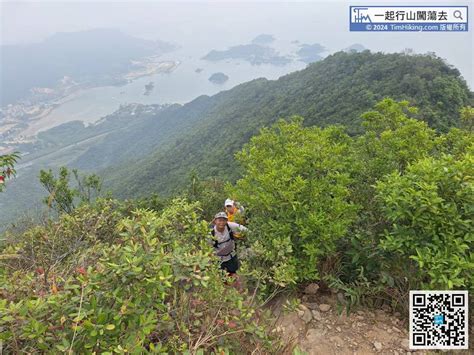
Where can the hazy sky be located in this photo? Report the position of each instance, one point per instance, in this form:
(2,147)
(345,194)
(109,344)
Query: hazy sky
(206,25)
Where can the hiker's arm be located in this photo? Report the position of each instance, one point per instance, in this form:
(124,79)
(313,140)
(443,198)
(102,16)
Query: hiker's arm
(237,227)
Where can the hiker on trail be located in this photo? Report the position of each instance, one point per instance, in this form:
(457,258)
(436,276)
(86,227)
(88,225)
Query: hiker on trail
(234,213)
(223,239)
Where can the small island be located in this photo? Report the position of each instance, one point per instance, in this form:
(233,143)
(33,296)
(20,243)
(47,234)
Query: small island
(149,88)
(310,53)
(255,54)
(198,70)
(263,39)
(218,78)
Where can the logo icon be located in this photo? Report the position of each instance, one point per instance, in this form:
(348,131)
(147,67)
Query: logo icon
(360,16)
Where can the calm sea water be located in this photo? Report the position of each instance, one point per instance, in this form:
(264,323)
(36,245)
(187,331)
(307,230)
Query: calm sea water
(180,86)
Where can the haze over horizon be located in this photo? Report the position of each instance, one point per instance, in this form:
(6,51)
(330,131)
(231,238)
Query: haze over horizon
(202,26)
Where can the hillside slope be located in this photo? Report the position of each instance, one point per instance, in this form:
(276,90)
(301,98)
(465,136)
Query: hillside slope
(334,91)
(155,150)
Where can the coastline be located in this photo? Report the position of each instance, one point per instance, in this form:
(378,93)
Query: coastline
(16,134)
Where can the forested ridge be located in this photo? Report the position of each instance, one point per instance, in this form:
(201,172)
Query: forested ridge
(336,90)
(367,197)
(154,150)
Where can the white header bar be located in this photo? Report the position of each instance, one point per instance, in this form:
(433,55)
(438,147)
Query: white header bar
(409,14)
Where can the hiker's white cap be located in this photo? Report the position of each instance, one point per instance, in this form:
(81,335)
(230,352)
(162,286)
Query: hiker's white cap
(228,202)
(221,215)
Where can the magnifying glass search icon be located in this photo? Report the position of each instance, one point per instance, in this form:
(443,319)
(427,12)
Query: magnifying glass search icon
(457,14)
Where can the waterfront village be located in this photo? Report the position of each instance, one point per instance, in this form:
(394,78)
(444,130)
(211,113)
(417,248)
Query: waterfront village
(14,118)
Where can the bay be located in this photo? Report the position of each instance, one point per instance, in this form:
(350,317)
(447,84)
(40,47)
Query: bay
(181,85)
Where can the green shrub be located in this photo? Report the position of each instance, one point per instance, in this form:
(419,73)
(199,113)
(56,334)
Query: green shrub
(63,196)
(295,185)
(456,142)
(60,244)
(392,144)
(156,287)
(7,167)
(391,141)
(431,210)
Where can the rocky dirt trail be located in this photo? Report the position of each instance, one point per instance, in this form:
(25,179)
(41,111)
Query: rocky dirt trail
(316,327)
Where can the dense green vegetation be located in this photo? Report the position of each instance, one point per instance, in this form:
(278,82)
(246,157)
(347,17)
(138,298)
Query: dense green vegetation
(100,144)
(154,150)
(372,215)
(379,214)
(336,90)
(109,279)
(64,197)
(296,185)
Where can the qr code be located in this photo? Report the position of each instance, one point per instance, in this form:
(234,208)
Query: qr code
(439,320)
